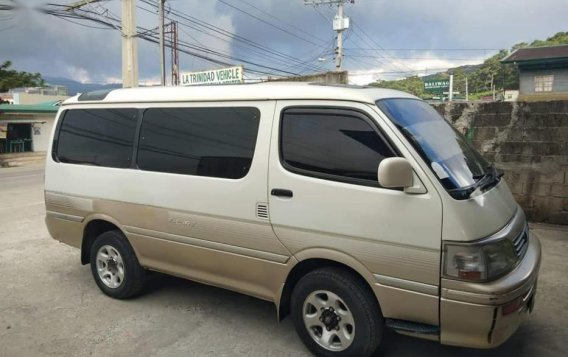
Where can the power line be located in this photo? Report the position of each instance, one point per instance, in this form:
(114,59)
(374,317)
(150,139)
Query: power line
(372,40)
(219,54)
(282,21)
(365,42)
(257,52)
(268,23)
(426,58)
(148,36)
(327,20)
(403,72)
(205,27)
(425,49)
(340,25)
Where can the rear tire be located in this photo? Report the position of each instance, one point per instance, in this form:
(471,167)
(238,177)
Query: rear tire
(115,267)
(335,314)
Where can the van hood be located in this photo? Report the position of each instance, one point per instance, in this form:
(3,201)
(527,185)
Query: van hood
(480,216)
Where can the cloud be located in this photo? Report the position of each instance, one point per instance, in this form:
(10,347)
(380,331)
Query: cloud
(409,29)
(80,74)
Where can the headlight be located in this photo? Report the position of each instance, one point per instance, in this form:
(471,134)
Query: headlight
(479,262)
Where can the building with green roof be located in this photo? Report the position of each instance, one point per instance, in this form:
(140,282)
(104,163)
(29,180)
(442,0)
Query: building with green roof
(26,127)
(543,72)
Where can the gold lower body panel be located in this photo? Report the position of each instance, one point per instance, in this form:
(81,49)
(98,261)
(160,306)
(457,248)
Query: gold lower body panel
(252,276)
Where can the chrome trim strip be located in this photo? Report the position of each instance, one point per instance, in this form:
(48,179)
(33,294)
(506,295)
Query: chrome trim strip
(407,285)
(208,244)
(63,216)
(529,294)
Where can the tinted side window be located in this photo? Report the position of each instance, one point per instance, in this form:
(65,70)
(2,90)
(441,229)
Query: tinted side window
(217,142)
(101,137)
(333,146)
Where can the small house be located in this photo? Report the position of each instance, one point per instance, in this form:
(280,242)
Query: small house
(543,72)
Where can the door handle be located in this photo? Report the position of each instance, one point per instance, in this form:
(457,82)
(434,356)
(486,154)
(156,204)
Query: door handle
(282,193)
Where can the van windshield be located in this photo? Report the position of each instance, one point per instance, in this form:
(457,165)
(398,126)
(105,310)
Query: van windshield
(458,166)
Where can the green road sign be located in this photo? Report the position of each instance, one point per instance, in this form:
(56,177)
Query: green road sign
(437,85)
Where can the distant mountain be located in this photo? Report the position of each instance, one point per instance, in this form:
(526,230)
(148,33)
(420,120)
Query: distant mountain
(75,87)
(467,69)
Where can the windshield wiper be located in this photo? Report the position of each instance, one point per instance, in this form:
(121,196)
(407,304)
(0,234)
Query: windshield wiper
(488,179)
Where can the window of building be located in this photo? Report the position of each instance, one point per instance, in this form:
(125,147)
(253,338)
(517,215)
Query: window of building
(332,144)
(216,142)
(101,137)
(543,83)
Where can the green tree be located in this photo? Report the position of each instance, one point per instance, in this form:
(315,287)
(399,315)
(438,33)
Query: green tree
(519,46)
(10,78)
(479,80)
(561,38)
(459,80)
(412,85)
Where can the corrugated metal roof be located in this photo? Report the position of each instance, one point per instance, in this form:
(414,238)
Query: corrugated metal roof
(48,107)
(534,54)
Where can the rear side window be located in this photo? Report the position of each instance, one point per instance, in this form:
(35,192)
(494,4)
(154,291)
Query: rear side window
(215,142)
(333,145)
(100,137)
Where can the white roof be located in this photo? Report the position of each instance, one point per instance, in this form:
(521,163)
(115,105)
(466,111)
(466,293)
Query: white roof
(242,92)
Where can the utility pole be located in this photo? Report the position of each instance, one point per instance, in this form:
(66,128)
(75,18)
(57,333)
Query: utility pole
(492,86)
(129,45)
(172,30)
(129,42)
(162,48)
(451,94)
(340,24)
(466,90)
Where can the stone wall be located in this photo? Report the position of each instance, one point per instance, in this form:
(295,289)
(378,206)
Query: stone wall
(529,142)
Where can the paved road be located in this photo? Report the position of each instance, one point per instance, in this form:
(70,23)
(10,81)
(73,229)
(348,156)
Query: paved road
(50,306)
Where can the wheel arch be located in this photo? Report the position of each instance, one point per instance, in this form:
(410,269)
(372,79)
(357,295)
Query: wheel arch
(94,226)
(312,259)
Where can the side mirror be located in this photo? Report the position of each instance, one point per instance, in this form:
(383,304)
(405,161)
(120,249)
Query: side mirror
(395,172)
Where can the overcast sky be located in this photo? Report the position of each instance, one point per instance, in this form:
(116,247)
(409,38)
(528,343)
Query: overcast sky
(416,34)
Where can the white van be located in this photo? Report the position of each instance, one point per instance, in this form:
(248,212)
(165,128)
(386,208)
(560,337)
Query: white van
(352,209)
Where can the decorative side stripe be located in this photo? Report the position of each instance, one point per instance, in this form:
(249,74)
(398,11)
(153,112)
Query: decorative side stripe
(407,285)
(66,217)
(209,244)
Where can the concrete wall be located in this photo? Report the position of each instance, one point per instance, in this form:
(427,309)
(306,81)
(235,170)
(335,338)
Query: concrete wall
(327,78)
(41,131)
(529,142)
(25,98)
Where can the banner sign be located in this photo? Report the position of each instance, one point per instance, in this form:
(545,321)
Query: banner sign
(229,75)
(437,85)
(3,131)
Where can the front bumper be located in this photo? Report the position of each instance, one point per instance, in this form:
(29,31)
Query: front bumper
(479,315)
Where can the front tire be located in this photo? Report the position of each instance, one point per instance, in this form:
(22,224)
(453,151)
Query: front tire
(335,314)
(115,267)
